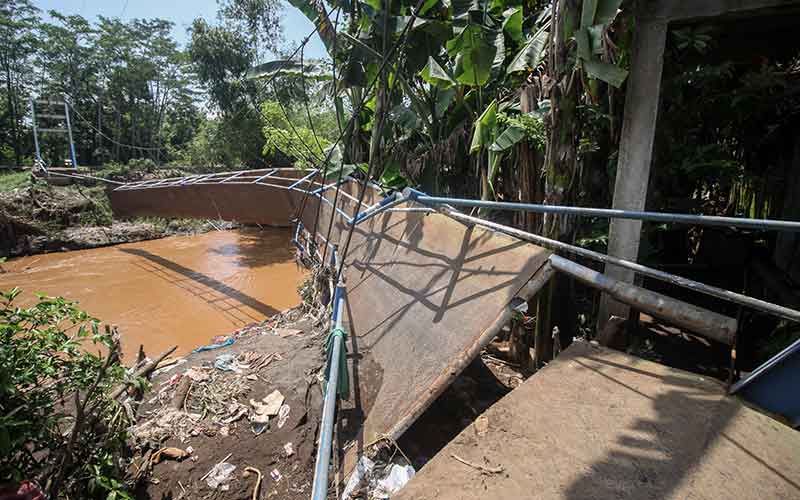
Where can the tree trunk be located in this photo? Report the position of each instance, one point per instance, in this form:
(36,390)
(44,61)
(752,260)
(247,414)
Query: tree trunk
(531,186)
(561,169)
(12,108)
(381,103)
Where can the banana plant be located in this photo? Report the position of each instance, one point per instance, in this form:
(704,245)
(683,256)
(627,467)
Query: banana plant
(596,17)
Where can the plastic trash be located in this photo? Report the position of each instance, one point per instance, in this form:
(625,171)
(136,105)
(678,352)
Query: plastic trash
(226,363)
(380,482)
(275,475)
(273,403)
(211,347)
(283,415)
(220,475)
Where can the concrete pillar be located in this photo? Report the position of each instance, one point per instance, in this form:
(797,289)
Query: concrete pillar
(635,153)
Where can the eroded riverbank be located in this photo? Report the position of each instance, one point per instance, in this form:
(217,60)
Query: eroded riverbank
(179,290)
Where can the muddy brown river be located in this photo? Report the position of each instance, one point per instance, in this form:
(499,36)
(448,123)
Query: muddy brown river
(181,290)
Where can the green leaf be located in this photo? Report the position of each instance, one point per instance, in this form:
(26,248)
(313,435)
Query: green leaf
(404,117)
(286,67)
(582,39)
(609,73)
(444,98)
(500,51)
(512,23)
(428,5)
(360,44)
(505,141)
(606,11)
(596,38)
(346,169)
(461,8)
(531,54)
(474,55)
(494,165)
(485,127)
(588,13)
(434,74)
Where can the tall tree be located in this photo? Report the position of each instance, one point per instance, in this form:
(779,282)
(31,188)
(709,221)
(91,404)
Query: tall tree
(18,43)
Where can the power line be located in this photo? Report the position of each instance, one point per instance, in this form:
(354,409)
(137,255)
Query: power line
(110,139)
(401,41)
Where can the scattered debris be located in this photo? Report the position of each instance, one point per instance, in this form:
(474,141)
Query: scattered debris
(227,363)
(197,375)
(287,332)
(283,415)
(482,468)
(236,414)
(220,475)
(222,396)
(225,343)
(482,425)
(379,481)
(162,368)
(273,403)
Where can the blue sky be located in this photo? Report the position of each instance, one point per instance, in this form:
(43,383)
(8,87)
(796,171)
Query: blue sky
(182,13)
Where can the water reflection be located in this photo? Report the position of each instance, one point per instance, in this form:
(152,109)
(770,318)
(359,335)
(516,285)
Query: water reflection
(179,290)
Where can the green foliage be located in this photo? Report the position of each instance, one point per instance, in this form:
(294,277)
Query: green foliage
(13,180)
(473,51)
(58,424)
(596,16)
(531,54)
(485,128)
(291,139)
(531,125)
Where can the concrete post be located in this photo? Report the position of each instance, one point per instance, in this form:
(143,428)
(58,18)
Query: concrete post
(635,154)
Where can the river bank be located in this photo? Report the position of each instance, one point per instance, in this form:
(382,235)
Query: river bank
(37,217)
(208,409)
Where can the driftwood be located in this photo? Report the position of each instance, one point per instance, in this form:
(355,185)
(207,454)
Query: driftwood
(179,398)
(482,468)
(142,372)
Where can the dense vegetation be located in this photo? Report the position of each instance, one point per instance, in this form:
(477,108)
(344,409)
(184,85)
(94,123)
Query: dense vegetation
(60,425)
(133,91)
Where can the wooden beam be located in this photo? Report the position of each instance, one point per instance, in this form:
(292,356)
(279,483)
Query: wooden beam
(696,319)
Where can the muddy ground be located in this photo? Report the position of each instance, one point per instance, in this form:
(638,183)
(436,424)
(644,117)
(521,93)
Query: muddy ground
(296,348)
(208,424)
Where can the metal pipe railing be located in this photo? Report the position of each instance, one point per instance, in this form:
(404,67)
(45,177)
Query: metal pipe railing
(609,213)
(721,293)
(320,486)
(385,204)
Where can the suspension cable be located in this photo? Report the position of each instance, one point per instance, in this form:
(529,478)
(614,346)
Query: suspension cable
(399,43)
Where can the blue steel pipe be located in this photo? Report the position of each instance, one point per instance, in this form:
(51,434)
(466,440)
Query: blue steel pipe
(304,179)
(385,204)
(320,487)
(609,213)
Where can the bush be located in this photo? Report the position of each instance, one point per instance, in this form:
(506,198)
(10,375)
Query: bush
(59,425)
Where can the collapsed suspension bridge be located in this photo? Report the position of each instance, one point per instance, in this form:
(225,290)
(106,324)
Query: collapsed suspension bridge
(425,287)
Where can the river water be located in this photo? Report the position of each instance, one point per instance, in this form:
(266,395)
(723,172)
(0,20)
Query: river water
(180,290)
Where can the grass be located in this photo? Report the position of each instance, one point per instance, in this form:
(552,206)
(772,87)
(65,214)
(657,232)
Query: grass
(13,180)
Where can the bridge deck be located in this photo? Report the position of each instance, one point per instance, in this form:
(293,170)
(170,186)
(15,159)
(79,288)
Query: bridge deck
(601,424)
